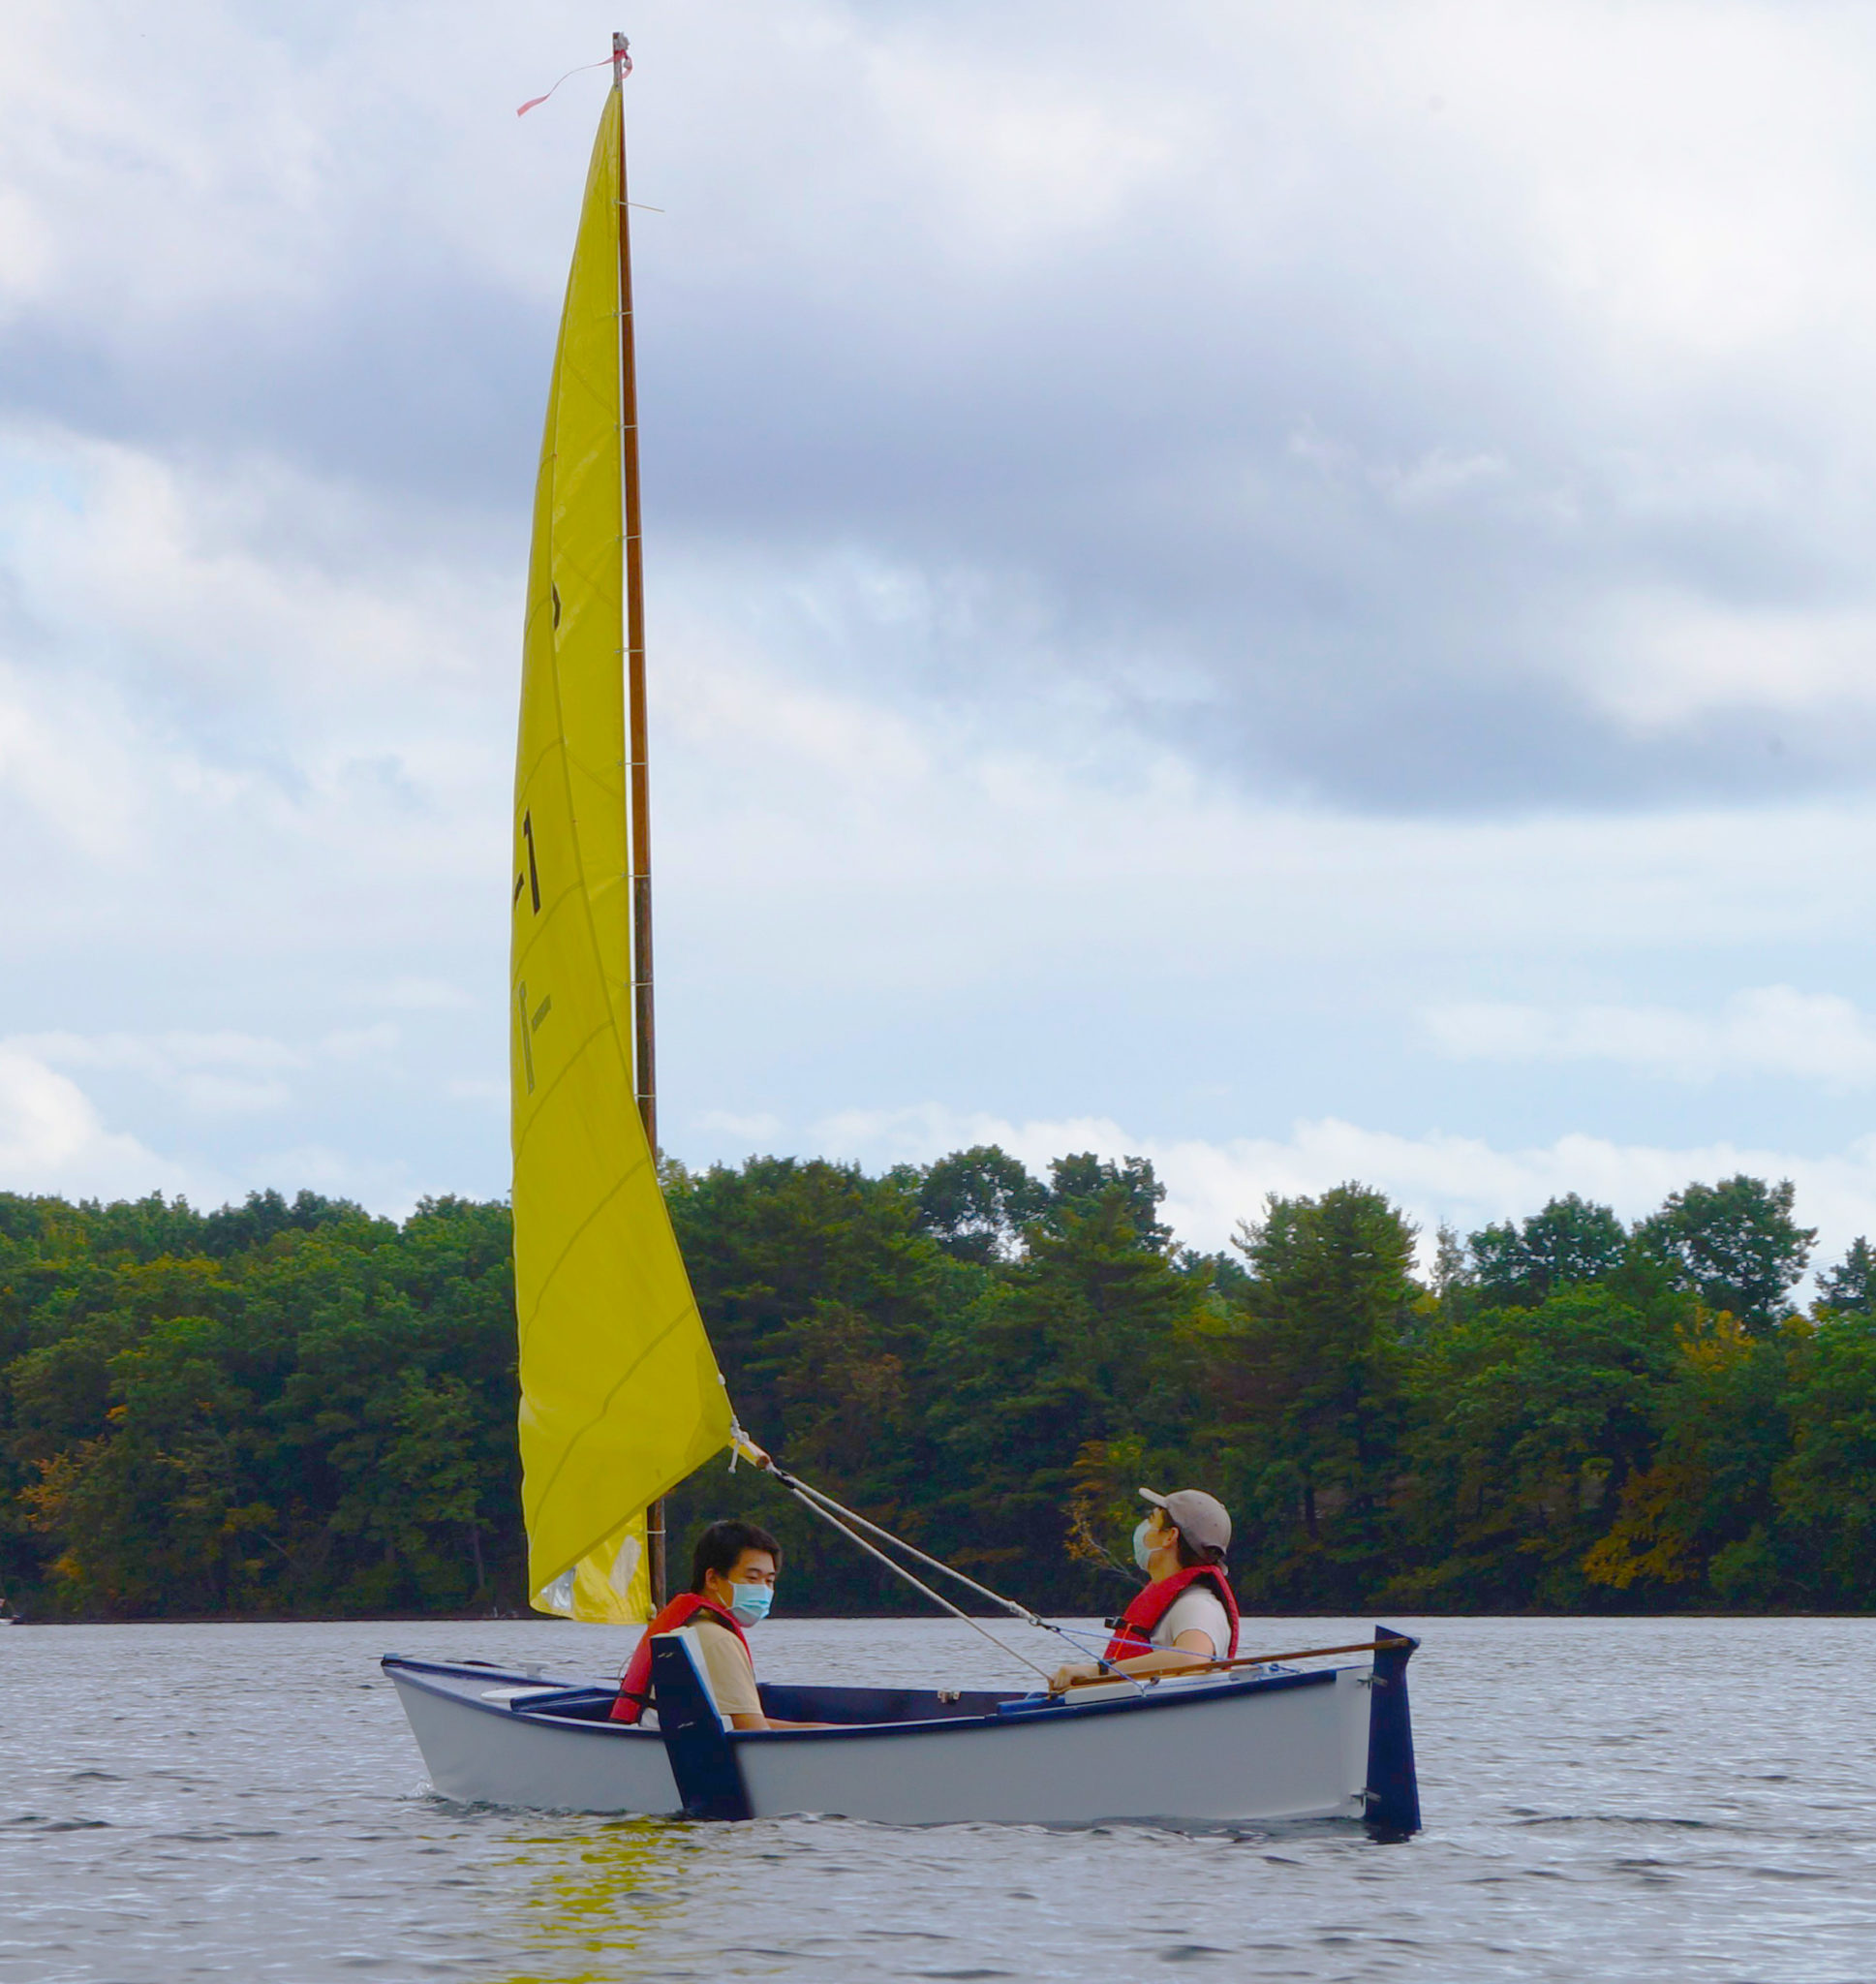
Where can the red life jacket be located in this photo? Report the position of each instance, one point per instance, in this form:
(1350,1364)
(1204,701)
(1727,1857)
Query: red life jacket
(634,1687)
(1136,1623)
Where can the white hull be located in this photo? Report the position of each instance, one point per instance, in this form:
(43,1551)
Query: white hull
(1292,1746)
(1228,1754)
(477,1750)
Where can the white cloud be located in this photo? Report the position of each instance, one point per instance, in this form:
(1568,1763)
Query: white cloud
(221,1074)
(1037,505)
(383,1186)
(225,728)
(1671,656)
(69,762)
(1770,1030)
(491,1095)
(52,1140)
(362,1043)
(55,1137)
(211,1074)
(1462,1181)
(413,994)
(752,1129)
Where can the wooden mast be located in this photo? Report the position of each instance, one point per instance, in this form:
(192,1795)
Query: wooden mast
(644,1062)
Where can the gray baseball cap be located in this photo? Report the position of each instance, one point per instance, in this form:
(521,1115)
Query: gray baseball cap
(1202,1519)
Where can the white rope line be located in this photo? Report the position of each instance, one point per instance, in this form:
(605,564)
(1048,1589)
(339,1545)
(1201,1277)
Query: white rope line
(795,1489)
(830,1510)
(1009,1606)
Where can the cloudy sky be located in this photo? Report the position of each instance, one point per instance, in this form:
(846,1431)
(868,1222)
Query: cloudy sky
(1285,586)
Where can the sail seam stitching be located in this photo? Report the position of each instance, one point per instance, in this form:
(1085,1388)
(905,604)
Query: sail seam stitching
(598,1418)
(572,1240)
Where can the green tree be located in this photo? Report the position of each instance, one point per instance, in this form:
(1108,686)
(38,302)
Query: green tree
(820,1288)
(1735,1245)
(1079,1182)
(1528,1426)
(1570,1241)
(975,1203)
(1312,1377)
(320,1419)
(290,1407)
(1089,1338)
(1851,1285)
(1825,1487)
(1696,1520)
(237,1229)
(147,1515)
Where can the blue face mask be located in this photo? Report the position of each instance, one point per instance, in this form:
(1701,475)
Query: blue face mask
(1142,1549)
(749,1603)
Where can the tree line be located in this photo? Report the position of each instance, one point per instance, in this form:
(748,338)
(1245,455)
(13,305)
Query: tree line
(296,1408)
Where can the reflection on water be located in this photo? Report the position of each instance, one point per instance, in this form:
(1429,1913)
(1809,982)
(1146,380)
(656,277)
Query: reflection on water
(599,1895)
(1629,1800)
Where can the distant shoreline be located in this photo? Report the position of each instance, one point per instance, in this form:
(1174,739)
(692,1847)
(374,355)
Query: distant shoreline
(284,1407)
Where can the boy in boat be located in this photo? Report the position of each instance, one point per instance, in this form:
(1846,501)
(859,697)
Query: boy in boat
(733,1584)
(1186,1614)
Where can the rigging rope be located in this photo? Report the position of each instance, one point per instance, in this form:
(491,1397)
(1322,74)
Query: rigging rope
(807,1500)
(1009,1606)
(831,1511)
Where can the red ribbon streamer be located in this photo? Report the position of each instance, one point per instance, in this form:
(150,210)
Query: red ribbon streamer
(624,69)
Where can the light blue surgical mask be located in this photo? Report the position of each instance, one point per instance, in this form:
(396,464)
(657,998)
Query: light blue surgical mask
(748,1604)
(1142,1548)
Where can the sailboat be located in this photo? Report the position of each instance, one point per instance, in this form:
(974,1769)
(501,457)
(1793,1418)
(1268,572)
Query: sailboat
(621,1396)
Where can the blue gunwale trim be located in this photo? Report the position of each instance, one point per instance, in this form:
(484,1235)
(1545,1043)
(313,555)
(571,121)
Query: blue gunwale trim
(474,1672)
(1057,1713)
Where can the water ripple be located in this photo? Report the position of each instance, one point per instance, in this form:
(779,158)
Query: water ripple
(1598,1805)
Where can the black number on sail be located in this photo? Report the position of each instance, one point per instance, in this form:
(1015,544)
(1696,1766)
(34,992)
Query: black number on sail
(531,878)
(526,1034)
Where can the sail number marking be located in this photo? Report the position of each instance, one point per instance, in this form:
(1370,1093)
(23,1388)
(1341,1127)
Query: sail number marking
(530,879)
(529,876)
(530,1025)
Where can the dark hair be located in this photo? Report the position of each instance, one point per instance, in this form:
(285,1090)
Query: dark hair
(1191,1556)
(722,1544)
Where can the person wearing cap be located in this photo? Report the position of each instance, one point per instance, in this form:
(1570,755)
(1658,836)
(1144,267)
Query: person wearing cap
(1186,1614)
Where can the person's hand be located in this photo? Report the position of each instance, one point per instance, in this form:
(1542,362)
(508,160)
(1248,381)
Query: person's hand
(1076,1670)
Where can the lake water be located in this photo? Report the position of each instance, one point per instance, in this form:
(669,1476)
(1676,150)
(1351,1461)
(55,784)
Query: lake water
(1637,1799)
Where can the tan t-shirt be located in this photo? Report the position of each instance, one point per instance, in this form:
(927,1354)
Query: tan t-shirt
(732,1678)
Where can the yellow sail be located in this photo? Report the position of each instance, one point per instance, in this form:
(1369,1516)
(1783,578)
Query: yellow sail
(619,1393)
